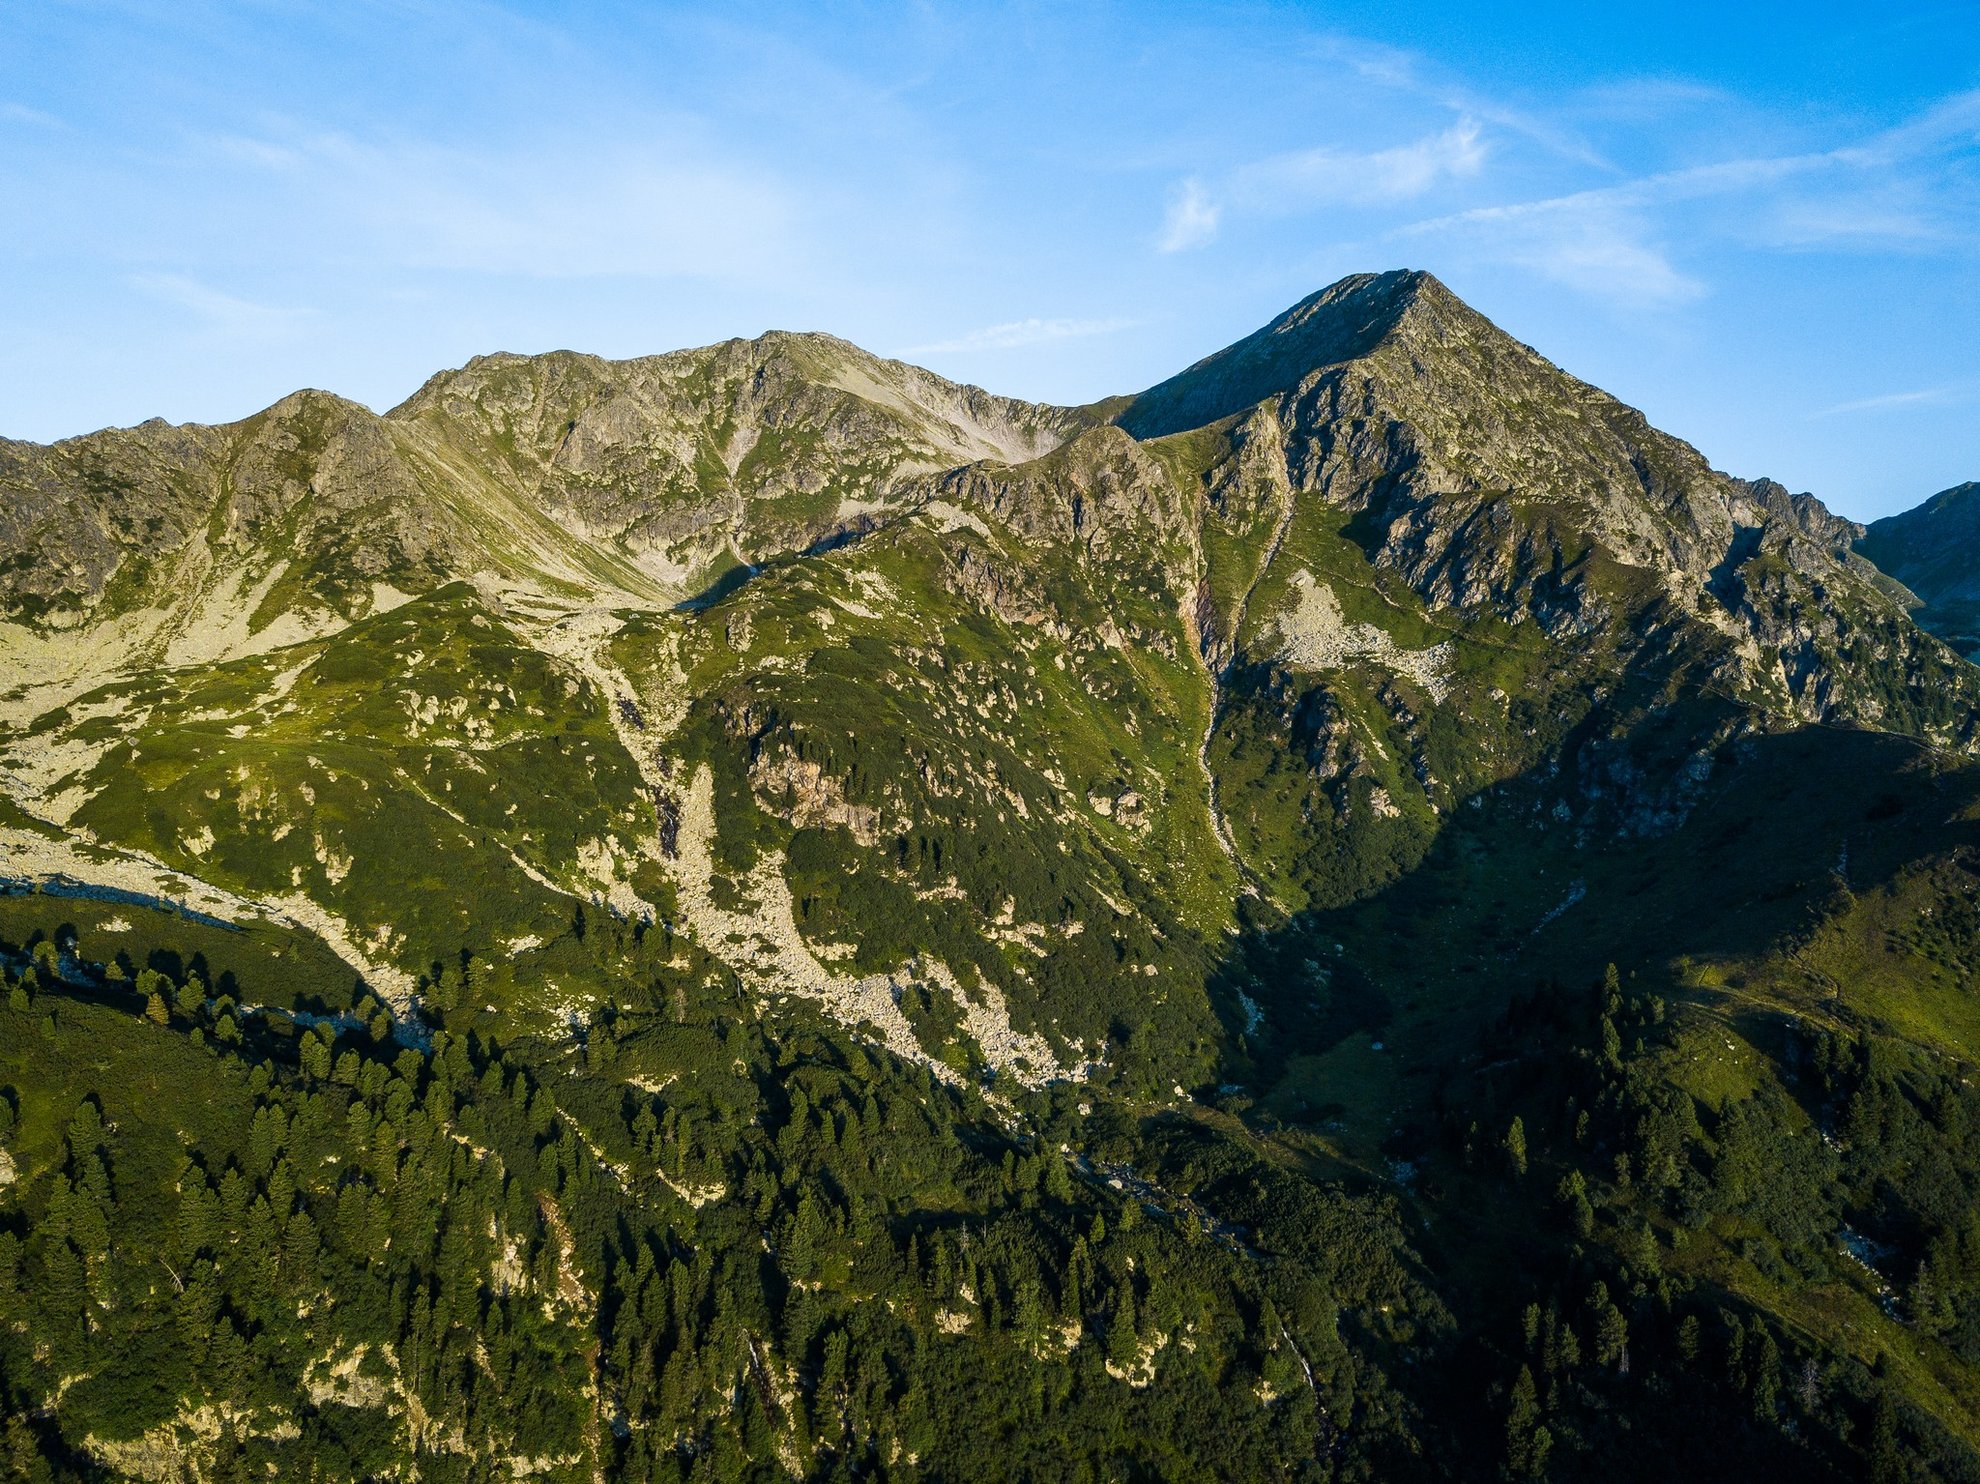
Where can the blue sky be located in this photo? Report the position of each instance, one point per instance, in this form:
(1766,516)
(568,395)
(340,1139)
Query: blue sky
(1758,222)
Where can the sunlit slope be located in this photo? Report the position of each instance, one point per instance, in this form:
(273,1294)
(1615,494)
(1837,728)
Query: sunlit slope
(991,781)
(981,723)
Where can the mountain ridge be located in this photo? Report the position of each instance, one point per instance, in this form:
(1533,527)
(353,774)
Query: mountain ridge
(1394,444)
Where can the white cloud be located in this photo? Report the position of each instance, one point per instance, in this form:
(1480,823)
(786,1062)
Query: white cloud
(1722,178)
(261,152)
(1877,218)
(1022,332)
(1906,188)
(1936,396)
(1952,120)
(1191,220)
(20,113)
(1600,243)
(1307,180)
(1646,100)
(222,311)
(1303,180)
(1607,260)
(1411,74)
(643,209)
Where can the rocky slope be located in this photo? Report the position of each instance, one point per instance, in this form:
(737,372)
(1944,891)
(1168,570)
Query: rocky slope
(1489,480)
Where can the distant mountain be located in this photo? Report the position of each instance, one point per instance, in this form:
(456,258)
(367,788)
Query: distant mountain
(755,913)
(1934,549)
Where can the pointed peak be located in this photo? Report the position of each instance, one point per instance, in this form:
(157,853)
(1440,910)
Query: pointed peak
(1375,299)
(1341,322)
(311,403)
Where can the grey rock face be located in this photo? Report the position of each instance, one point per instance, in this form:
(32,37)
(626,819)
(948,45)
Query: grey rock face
(640,477)
(755,441)
(1492,481)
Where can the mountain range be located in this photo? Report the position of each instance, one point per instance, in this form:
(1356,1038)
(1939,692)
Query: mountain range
(756,913)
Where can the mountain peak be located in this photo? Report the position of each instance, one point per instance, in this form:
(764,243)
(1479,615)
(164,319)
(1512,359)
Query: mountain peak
(1341,322)
(1931,549)
(1927,534)
(1964,498)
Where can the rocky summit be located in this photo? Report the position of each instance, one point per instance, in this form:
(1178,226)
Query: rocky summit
(755,914)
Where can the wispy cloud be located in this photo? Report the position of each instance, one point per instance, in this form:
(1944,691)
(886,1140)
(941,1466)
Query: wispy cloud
(221,311)
(1191,218)
(1933,396)
(646,208)
(259,152)
(1953,119)
(1609,241)
(1720,178)
(20,113)
(1605,242)
(1612,260)
(1307,180)
(1022,332)
(1638,100)
(1409,73)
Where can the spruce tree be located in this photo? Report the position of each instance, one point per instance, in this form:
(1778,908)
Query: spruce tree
(1515,1145)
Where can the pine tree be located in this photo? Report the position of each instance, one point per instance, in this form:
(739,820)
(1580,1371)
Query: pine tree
(1527,1440)
(85,1130)
(1515,1145)
(1611,1329)
(299,1249)
(21,1450)
(1687,1338)
(1930,1307)
(1886,1455)
(315,1058)
(1767,1380)
(63,1284)
(1123,1344)
(1574,1195)
(1610,1037)
(1058,1182)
